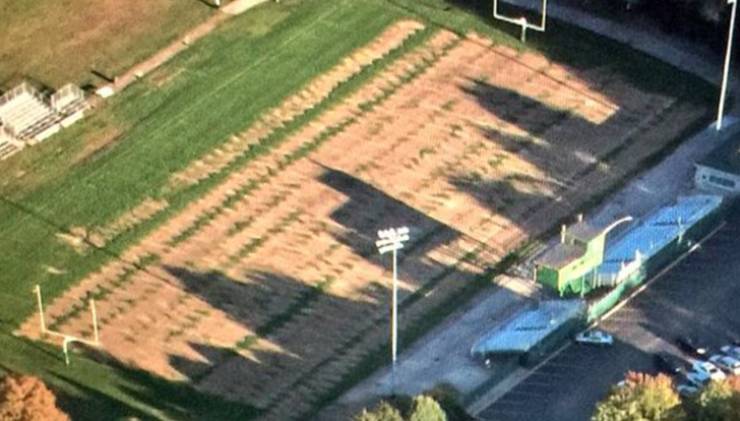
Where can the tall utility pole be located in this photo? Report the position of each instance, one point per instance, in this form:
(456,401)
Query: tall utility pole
(392,239)
(723,91)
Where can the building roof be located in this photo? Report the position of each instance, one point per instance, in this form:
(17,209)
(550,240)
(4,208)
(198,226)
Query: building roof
(584,231)
(560,255)
(725,157)
(528,327)
(657,230)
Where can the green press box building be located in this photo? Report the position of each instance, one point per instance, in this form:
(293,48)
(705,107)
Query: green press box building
(583,262)
(569,266)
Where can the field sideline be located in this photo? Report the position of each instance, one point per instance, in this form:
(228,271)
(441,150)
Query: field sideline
(129,150)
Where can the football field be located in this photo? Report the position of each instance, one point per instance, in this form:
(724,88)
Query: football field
(222,211)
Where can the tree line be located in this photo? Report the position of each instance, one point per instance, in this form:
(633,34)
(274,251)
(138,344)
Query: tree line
(654,398)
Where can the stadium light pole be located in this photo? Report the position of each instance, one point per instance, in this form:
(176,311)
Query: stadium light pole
(723,91)
(392,239)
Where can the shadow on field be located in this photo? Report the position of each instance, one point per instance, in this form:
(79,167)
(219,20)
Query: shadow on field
(169,400)
(531,115)
(511,197)
(87,403)
(540,122)
(369,209)
(534,202)
(302,335)
(275,307)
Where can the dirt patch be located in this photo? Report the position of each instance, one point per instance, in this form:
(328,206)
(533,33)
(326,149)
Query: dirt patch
(43,32)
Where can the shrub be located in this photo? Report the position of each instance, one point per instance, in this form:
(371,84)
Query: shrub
(424,408)
(383,412)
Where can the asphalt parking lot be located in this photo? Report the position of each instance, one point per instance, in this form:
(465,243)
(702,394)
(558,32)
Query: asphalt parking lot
(700,296)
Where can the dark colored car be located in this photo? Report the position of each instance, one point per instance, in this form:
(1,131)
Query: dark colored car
(668,363)
(692,346)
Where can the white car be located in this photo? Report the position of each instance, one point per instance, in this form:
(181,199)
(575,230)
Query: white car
(709,369)
(596,337)
(731,350)
(726,363)
(687,390)
(698,379)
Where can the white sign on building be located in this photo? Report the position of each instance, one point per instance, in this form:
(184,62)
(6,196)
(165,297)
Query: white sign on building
(720,170)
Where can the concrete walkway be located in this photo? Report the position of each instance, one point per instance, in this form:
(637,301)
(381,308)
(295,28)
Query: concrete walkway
(443,355)
(672,177)
(175,47)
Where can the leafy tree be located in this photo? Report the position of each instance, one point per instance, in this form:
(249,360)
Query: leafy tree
(719,401)
(642,397)
(425,408)
(734,383)
(26,398)
(448,398)
(383,412)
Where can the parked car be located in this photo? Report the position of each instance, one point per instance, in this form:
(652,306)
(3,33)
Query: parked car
(709,369)
(726,363)
(692,346)
(595,337)
(698,379)
(687,390)
(668,363)
(731,350)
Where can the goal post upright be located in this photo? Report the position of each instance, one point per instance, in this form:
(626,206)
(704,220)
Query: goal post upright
(66,338)
(94,313)
(522,21)
(42,322)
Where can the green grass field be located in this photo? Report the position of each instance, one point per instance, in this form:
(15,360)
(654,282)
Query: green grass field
(126,151)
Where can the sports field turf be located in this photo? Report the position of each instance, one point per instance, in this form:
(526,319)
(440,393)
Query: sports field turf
(127,151)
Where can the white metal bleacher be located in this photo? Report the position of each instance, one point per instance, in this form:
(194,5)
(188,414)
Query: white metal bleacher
(8,145)
(28,117)
(22,110)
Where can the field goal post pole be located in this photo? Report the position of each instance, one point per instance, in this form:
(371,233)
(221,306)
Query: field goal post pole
(67,339)
(522,21)
(94,314)
(39,301)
